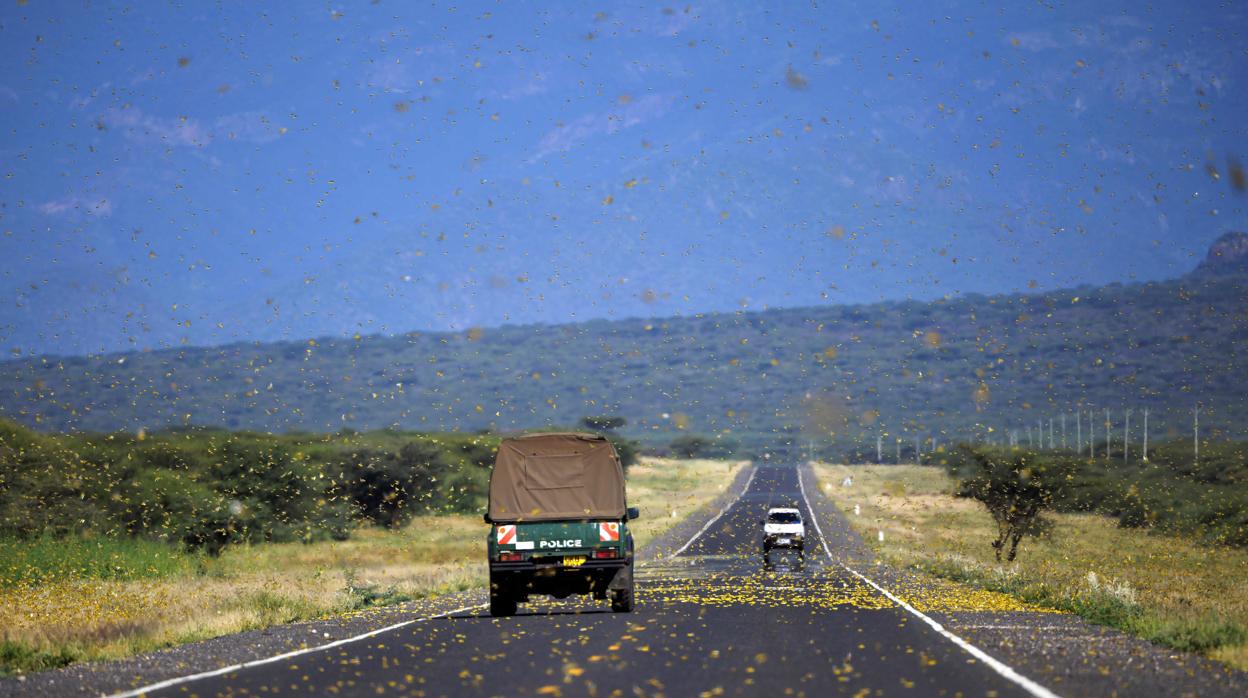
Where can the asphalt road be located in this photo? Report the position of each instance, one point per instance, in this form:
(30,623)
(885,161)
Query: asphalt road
(709,621)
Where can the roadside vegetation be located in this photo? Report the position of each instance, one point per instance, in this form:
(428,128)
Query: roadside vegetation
(1174,491)
(208,489)
(72,592)
(1177,590)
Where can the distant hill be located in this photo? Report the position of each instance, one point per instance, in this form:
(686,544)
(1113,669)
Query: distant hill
(1227,255)
(951,368)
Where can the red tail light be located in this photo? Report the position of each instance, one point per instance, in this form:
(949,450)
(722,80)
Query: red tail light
(605,554)
(510,557)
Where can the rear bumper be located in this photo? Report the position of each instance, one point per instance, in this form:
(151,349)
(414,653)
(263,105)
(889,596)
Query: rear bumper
(774,542)
(590,565)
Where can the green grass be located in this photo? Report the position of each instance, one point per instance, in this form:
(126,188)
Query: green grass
(364,595)
(103,558)
(273,608)
(18,657)
(1203,636)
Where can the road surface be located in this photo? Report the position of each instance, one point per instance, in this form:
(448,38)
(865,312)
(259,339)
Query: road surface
(710,621)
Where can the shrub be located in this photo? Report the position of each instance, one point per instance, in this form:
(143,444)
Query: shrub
(388,488)
(166,505)
(603,423)
(690,445)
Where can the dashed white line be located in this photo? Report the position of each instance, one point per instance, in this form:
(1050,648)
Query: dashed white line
(277,658)
(727,506)
(995,664)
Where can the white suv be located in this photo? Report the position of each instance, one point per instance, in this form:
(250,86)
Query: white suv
(783,528)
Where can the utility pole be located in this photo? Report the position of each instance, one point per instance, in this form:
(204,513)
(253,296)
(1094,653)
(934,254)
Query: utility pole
(1091,435)
(1126,437)
(1109,435)
(1145,434)
(1079,430)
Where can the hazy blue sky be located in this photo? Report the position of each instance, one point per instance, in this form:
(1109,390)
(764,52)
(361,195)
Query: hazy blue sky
(196,173)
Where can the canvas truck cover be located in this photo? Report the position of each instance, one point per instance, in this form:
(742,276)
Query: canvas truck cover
(548,477)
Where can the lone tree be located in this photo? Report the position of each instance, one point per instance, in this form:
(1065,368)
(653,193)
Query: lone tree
(691,445)
(1014,486)
(627,449)
(603,423)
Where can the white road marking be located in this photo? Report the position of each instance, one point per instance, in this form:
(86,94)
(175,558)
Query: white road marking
(996,665)
(277,658)
(727,506)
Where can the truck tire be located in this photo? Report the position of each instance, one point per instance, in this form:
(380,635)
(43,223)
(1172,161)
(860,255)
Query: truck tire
(502,603)
(622,598)
(622,601)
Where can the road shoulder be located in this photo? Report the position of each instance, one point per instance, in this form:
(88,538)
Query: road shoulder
(671,540)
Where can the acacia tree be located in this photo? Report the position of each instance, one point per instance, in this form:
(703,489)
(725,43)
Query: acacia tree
(603,422)
(690,445)
(1015,488)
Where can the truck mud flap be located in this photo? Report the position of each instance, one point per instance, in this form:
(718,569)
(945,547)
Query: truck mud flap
(623,579)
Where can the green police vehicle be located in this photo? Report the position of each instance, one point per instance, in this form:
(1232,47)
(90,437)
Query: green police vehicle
(559,522)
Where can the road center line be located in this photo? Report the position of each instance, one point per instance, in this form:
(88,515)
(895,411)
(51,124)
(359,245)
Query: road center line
(267,660)
(721,513)
(996,665)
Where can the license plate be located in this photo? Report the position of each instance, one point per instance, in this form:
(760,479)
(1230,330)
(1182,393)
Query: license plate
(574,561)
(784,541)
